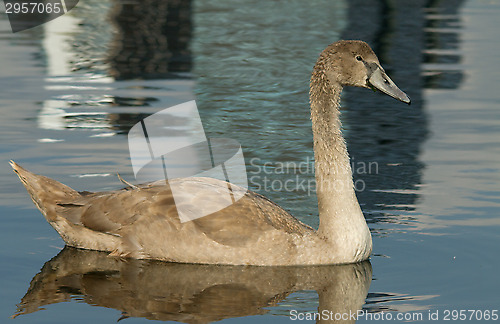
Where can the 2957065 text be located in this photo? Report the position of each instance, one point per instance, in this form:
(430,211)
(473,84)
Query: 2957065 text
(466,315)
(33,8)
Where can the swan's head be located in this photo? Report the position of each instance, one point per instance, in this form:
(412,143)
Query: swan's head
(353,63)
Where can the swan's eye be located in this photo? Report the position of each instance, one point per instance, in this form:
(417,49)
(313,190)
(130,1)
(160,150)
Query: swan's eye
(359,58)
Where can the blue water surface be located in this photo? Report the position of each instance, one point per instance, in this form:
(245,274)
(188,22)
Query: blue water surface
(427,176)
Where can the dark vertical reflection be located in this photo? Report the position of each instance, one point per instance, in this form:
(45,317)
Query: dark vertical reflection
(152,40)
(412,39)
(385,30)
(380,131)
(442,42)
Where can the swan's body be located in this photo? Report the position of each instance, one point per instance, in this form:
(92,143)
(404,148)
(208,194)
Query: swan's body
(142,222)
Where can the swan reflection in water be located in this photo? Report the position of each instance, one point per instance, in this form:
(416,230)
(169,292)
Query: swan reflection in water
(187,292)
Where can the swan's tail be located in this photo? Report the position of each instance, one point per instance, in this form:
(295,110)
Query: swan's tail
(47,194)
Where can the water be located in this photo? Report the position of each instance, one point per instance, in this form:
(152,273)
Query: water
(427,175)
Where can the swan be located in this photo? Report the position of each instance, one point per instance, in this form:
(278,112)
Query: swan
(142,222)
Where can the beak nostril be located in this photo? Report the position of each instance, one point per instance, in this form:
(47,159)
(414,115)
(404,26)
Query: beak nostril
(379,80)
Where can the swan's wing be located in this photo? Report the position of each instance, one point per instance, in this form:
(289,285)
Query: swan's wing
(107,212)
(117,212)
(247,219)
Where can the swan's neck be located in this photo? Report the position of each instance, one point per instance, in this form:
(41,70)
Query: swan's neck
(341,219)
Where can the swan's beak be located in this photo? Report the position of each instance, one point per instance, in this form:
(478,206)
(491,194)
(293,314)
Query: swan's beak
(379,80)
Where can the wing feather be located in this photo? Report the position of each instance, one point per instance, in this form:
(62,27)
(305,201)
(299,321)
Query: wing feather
(236,225)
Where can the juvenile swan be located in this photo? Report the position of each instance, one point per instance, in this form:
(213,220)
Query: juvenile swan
(142,222)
